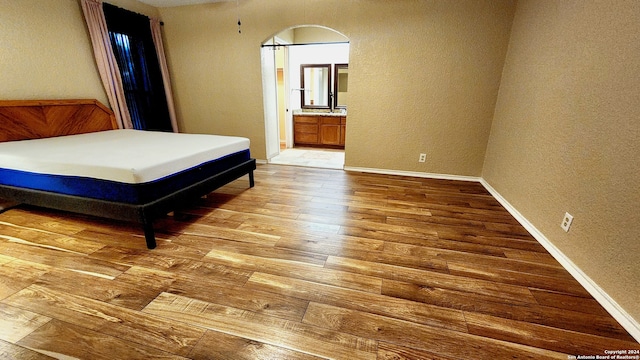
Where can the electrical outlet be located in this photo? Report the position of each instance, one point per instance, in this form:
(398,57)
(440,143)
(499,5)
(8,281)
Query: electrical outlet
(566,222)
(423,158)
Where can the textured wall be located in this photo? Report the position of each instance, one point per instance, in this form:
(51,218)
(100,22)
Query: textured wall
(423,75)
(45,52)
(566,134)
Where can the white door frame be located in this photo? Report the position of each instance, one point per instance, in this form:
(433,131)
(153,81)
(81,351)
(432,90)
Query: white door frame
(288,115)
(270,102)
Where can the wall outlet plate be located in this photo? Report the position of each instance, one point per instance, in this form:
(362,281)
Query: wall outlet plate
(566,222)
(422,158)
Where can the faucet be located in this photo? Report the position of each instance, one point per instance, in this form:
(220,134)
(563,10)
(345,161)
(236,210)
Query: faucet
(331,102)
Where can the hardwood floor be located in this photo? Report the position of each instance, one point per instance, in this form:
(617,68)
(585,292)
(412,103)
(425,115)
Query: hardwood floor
(308,264)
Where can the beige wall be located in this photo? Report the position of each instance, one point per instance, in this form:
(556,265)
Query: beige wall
(312,34)
(566,134)
(423,75)
(45,52)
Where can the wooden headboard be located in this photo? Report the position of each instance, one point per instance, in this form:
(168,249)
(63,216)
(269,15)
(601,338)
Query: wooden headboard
(35,119)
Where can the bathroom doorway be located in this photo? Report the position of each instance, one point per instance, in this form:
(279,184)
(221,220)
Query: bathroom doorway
(282,57)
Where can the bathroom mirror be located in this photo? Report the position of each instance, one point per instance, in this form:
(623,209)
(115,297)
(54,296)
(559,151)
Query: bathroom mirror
(315,79)
(340,83)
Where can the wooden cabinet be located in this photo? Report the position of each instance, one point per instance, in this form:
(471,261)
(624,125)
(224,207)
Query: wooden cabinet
(329,130)
(305,130)
(343,129)
(321,131)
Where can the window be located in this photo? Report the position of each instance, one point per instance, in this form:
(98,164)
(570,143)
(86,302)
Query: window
(135,53)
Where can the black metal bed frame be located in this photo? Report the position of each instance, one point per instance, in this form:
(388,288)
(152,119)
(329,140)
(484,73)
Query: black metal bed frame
(144,214)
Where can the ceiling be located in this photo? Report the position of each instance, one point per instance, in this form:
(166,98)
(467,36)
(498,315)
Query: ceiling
(170,3)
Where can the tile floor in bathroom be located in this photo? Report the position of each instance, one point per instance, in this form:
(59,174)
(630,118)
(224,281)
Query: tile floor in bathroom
(310,157)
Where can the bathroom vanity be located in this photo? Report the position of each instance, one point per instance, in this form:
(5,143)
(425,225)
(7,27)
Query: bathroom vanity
(319,129)
(321,120)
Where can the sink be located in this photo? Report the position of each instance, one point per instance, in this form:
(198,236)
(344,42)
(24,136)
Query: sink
(319,113)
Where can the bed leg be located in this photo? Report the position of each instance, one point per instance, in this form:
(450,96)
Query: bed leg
(252,181)
(149,235)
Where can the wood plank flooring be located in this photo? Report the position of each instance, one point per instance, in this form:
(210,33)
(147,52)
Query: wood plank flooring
(308,264)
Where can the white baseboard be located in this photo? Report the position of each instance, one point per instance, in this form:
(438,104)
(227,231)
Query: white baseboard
(618,313)
(412,173)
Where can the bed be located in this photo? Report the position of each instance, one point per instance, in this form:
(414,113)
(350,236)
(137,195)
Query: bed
(70,155)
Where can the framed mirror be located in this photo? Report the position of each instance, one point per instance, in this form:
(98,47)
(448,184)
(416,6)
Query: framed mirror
(340,85)
(315,79)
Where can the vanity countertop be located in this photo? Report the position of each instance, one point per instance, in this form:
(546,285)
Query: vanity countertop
(319,113)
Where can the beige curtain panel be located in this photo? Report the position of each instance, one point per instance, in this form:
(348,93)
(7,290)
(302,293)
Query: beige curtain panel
(107,66)
(156,33)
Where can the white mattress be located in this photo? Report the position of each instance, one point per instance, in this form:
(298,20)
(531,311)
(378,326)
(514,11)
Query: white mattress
(128,156)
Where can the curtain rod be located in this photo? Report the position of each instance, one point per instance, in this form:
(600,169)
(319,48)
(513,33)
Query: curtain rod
(304,44)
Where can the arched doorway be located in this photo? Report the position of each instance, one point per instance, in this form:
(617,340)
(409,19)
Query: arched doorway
(282,56)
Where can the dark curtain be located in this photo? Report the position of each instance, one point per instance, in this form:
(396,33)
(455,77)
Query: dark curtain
(135,53)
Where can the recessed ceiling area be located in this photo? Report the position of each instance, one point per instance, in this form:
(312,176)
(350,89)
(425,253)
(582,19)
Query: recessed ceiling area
(171,3)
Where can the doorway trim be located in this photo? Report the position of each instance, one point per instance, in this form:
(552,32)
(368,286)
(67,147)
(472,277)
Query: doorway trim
(270,86)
